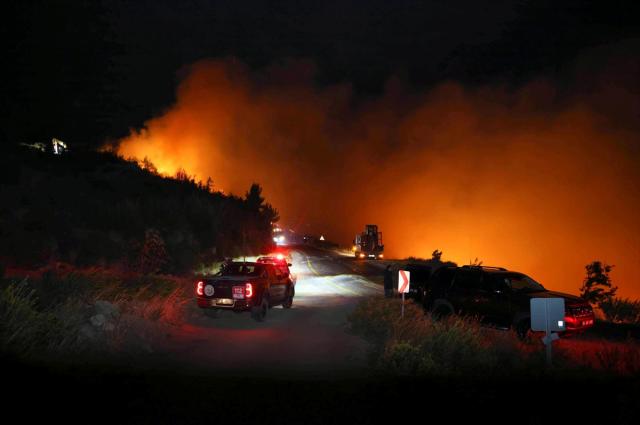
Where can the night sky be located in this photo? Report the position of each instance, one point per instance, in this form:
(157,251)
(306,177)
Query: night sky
(87,72)
(450,124)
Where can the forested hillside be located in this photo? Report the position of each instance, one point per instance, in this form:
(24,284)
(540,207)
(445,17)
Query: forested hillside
(94,208)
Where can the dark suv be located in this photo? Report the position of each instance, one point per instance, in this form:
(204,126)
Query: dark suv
(499,297)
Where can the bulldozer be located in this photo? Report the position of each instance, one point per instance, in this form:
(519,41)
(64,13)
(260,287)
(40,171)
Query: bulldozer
(368,244)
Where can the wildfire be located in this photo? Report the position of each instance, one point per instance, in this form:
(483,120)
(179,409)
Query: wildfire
(510,178)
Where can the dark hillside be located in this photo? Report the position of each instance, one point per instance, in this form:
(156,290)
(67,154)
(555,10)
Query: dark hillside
(87,208)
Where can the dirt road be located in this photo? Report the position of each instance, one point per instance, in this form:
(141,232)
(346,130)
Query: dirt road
(309,339)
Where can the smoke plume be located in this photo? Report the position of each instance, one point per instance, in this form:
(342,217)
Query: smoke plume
(542,179)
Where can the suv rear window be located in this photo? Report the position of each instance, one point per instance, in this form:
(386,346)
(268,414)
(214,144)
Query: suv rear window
(243,270)
(523,283)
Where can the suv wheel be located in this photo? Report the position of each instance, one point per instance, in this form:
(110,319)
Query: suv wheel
(288,302)
(442,309)
(259,312)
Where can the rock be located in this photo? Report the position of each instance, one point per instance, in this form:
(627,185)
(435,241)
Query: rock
(107,309)
(88,332)
(98,320)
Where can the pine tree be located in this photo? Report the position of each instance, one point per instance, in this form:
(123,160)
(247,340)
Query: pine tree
(597,287)
(253,198)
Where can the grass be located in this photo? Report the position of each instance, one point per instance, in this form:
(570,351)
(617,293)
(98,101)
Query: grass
(419,345)
(610,357)
(60,311)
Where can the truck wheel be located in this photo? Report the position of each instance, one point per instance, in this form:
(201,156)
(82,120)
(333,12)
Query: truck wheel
(288,302)
(259,312)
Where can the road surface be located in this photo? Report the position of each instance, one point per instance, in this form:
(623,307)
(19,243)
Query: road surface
(311,338)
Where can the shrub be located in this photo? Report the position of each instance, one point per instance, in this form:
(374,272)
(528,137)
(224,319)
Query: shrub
(419,344)
(153,256)
(621,310)
(403,358)
(457,346)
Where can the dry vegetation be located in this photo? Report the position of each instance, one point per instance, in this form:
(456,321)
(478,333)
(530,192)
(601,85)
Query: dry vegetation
(57,312)
(420,345)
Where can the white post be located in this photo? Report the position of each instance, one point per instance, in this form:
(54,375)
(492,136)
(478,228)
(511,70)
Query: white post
(548,341)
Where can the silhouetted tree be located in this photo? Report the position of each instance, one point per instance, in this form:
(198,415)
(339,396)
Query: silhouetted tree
(181,175)
(253,198)
(270,214)
(149,166)
(597,287)
(436,255)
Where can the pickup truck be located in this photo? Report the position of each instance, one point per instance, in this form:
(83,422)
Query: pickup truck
(246,286)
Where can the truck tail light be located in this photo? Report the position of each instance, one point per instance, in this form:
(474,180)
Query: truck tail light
(248,290)
(200,288)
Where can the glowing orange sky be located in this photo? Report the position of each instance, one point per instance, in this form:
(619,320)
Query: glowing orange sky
(516,179)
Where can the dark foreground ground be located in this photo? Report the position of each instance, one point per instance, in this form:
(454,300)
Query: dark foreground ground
(299,367)
(157,394)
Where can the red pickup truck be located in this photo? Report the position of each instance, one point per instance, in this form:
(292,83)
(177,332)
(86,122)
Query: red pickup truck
(245,286)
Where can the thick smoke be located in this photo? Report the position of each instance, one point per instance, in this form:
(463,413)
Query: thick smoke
(541,179)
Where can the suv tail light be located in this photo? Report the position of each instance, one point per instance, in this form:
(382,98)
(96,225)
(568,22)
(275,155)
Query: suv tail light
(200,288)
(248,290)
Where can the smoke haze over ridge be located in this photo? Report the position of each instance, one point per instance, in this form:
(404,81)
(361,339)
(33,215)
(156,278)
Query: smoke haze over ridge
(542,179)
